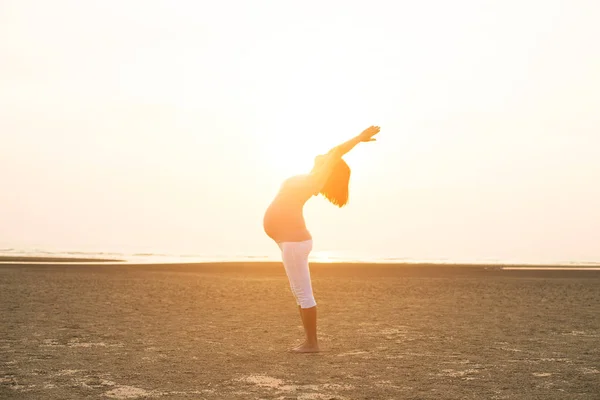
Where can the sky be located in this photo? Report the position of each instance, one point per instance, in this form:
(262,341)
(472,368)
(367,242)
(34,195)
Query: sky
(167,127)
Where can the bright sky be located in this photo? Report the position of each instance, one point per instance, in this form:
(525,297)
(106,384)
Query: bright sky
(167,126)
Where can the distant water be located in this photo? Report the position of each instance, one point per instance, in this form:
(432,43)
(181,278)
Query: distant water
(326,256)
(145,258)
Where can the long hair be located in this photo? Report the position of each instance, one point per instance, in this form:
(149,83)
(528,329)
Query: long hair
(336,188)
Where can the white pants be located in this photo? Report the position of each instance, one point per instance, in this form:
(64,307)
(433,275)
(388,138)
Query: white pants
(295,261)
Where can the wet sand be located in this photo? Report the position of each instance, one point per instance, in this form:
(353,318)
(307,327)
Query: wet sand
(220,331)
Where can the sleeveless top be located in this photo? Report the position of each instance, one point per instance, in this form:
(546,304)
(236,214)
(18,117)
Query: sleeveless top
(284,218)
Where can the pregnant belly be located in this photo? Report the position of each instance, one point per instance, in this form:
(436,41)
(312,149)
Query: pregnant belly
(283,225)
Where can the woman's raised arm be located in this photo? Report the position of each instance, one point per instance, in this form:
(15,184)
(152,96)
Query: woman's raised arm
(365,136)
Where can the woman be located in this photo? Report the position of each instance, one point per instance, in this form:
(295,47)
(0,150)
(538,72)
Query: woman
(284,223)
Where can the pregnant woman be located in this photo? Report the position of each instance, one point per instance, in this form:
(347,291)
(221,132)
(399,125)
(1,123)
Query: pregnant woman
(284,223)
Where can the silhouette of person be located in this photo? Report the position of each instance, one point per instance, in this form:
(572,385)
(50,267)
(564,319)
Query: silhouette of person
(284,223)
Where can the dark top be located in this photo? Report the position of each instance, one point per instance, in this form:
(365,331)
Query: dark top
(284,219)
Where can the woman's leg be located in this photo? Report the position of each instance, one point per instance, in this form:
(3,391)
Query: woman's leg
(309,319)
(295,261)
(302,318)
(301,315)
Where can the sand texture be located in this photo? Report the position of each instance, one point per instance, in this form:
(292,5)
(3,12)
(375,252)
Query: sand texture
(221,331)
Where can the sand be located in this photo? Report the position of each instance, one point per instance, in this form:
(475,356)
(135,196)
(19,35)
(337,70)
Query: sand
(220,331)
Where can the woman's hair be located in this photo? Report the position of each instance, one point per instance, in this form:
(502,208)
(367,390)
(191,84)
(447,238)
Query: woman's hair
(336,188)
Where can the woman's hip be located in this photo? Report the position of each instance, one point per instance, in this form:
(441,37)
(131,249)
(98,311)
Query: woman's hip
(300,247)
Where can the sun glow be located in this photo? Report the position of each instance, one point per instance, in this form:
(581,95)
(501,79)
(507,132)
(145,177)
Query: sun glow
(291,143)
(322,256)
(290,156)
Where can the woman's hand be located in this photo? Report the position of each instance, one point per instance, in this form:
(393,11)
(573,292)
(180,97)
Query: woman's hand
(367,134)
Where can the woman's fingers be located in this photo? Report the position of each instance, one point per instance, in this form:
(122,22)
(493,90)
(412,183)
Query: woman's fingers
(369,133)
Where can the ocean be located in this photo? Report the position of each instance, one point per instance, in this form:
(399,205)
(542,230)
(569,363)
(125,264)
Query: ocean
(316,256)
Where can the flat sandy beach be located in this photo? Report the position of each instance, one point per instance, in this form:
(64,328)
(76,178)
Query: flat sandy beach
(220,331)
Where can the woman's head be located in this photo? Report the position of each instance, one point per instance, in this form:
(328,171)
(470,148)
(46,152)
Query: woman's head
(336,188)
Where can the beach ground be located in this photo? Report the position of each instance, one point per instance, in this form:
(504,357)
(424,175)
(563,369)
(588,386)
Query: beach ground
(220,331)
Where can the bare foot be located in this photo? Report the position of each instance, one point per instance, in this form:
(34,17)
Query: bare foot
(306,348)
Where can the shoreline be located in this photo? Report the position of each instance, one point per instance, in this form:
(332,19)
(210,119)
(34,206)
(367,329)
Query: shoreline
(35,260)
